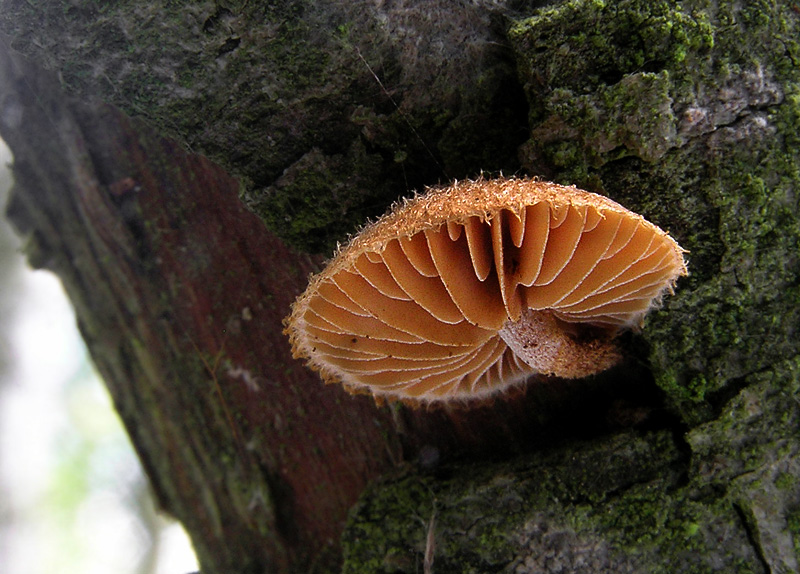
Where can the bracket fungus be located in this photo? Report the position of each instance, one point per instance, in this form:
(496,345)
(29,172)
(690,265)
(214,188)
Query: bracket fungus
(469,289)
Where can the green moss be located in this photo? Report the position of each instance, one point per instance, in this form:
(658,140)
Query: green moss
(631,109)
(606,506)
(793,520)
(786,481)
(757,425)
(389,532)
(648,516)
(381,544)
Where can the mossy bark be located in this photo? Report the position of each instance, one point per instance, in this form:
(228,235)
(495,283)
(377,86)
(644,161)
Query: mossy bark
(688,113)
(724,498)
(327,111)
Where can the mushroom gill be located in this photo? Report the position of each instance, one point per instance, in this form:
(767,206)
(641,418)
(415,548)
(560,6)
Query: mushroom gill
(468,289)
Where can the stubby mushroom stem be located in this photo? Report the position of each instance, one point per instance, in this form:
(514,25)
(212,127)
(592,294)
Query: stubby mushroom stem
(541,340)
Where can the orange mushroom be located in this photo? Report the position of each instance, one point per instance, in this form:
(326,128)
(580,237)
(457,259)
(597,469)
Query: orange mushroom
(469,289)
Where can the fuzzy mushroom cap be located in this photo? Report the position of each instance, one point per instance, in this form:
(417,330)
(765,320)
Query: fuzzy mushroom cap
(468,289)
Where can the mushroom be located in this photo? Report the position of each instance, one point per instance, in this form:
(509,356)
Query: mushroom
(469,289)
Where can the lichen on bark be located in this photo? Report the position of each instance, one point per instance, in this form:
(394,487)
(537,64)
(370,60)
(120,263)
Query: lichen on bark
(686,113)
(573,509)
(727,500)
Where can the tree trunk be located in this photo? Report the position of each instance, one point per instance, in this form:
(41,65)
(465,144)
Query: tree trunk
(683,459)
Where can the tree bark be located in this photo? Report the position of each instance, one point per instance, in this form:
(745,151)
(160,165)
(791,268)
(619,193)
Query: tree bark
(179,293)
(684,459)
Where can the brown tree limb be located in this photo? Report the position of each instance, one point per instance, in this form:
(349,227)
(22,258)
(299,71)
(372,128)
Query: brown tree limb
(180,293)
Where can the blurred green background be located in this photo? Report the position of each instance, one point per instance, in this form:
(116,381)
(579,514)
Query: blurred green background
(73,498)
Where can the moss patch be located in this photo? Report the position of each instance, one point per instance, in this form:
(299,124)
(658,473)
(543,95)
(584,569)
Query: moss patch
(686,113)
(573,509)
(616,504)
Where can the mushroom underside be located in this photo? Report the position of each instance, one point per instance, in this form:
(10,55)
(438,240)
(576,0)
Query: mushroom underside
(467,306)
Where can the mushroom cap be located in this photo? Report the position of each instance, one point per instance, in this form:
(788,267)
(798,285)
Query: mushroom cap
(469,289)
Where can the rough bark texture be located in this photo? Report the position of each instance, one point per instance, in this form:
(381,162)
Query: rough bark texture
(687,113)
(173,283)
(180,294)
(308,102)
